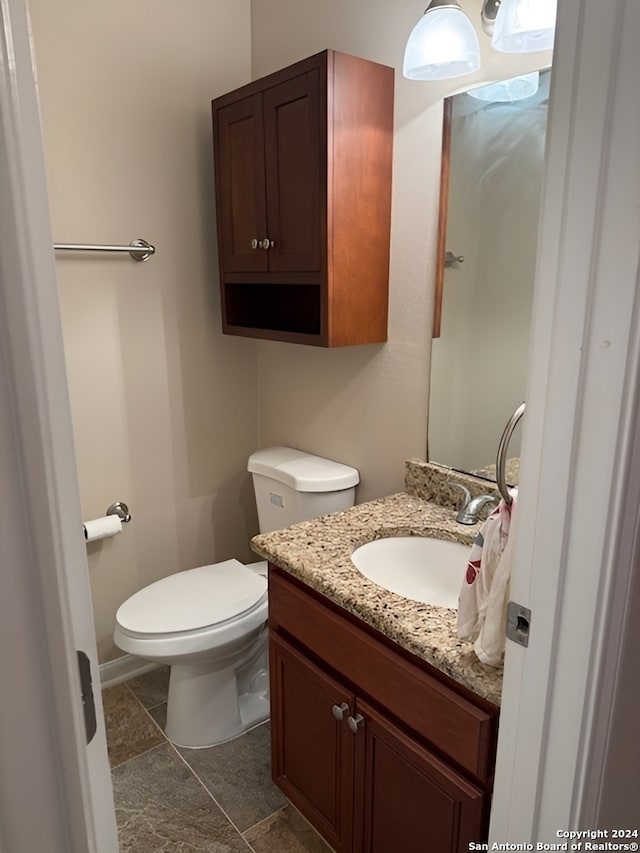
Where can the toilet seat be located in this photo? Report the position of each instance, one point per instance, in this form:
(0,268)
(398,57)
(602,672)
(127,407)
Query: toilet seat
(193,601)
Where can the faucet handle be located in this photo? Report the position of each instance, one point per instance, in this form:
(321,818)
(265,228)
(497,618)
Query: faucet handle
(465,491)
(470,513)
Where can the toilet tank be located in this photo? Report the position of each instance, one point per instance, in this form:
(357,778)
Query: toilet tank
(291,485)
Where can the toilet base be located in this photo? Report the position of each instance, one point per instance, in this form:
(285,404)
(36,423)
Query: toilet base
(206,708)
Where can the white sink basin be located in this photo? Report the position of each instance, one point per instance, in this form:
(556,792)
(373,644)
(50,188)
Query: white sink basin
(423,569)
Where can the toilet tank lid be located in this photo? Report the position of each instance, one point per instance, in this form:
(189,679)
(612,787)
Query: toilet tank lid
(302,471)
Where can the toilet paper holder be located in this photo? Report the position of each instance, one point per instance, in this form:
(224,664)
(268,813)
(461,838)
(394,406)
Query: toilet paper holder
(120,509)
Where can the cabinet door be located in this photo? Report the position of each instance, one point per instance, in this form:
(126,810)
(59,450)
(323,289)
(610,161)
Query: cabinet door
(312,751)
(295,171)
(240,186)
(406,798)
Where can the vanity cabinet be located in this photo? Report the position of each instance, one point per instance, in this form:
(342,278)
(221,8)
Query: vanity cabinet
(303,198)
(367,742)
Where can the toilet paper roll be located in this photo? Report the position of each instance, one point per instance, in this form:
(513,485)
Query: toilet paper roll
(101,528)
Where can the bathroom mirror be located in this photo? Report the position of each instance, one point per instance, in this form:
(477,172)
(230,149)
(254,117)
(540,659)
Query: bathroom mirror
(493,157)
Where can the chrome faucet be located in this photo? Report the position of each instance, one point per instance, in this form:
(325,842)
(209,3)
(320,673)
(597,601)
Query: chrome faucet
(470,510)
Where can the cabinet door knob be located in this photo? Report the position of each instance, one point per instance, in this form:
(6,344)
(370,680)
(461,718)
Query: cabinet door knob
(254,243)
(339,711)
(355,723)
(266,243)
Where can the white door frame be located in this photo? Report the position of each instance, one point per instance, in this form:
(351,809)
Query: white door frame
(578,510)
(55,791)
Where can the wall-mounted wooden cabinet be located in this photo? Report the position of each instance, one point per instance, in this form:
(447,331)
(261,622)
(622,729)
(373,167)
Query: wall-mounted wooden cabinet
(303,199)
(376,750)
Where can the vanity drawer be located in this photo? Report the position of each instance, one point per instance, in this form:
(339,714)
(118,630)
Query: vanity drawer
(400,683)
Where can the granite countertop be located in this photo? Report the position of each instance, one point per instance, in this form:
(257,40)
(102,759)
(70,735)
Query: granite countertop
(318,552)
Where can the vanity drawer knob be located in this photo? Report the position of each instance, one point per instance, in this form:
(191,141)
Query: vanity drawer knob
(339,711)
(355,723)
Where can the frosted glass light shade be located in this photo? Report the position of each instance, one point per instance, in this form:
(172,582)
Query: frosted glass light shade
(525,26)
(443,44)
(508,91)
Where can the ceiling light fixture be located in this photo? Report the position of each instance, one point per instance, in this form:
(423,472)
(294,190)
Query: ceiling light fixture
(443,44)
(524,26)
(488,15)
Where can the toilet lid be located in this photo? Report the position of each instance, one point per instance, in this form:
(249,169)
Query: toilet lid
(193,599)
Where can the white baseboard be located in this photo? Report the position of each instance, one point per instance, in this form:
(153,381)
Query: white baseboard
(122,669)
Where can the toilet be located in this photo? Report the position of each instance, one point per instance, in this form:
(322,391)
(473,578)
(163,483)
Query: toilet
(209,624)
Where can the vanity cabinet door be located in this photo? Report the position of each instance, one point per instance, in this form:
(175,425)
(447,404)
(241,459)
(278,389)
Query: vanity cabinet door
(406,798)
(312,749)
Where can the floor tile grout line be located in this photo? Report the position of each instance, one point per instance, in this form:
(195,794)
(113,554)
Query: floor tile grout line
(149,707)
(149,715)
(224,812)
(138,755)
(267,817)
(144,751)
(167,742)
(154,721)
(191,770)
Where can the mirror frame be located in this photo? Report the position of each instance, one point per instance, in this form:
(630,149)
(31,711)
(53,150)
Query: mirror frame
(443,210)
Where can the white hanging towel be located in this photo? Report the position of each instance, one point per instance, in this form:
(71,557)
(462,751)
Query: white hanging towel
(483,598)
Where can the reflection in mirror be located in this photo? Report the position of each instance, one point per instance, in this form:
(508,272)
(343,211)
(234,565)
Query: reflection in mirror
(479,361)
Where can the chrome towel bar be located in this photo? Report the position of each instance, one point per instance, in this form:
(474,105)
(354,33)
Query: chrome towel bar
(139,249)
(502,452)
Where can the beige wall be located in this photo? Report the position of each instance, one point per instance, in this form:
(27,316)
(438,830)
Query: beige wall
(164,406)
(368,405)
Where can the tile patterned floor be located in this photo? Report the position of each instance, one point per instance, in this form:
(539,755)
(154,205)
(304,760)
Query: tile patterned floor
(176,800)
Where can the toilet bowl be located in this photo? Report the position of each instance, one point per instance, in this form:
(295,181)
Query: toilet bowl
(209,624)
